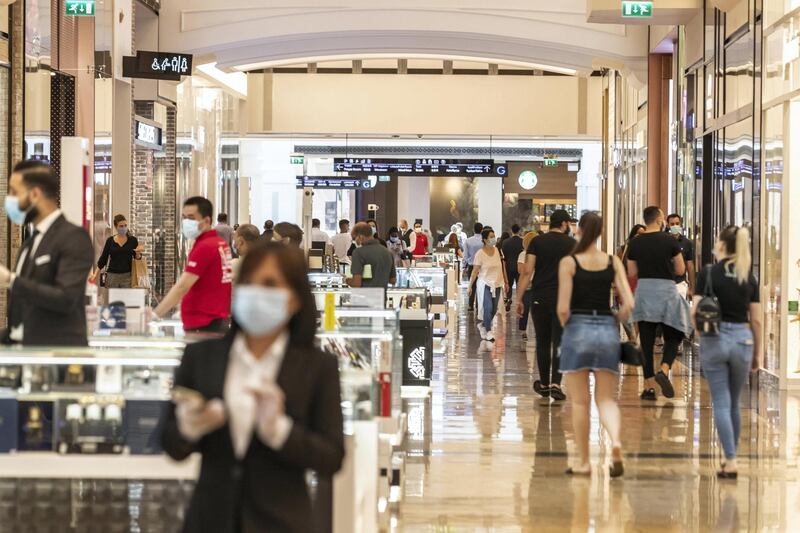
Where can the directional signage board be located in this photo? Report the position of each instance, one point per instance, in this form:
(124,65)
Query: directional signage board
(335,182)
(637,9)
(165,63)
(550,162)
(421,167)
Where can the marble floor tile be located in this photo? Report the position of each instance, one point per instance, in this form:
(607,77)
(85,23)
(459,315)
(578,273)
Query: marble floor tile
(486,454)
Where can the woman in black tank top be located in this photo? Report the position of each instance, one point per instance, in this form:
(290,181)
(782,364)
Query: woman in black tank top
(590,343)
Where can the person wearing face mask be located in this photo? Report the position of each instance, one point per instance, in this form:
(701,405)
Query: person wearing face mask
(654,259)
(47,287)
(372,264)
(118,254)
(398,248)
(374,225)
(419,241)
(262,405)
(543,256)
(488,278)
(204,288)
(685,282)
(246,236)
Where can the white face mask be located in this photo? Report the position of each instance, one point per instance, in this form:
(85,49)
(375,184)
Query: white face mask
(190,229)
(492,241)
(260,310)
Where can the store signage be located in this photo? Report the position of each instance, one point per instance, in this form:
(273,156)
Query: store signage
(416,362)
(421,167)
(170,63)
(79,8)
(637,9)
(334,182)
(528,179)
(297,159)
(550,162)
(147,134)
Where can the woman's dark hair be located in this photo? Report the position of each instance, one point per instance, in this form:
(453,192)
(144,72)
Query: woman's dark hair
(485,233)
(635,231)
(118,219)
(392,230)
(290,231)
(591,225)
(292,264)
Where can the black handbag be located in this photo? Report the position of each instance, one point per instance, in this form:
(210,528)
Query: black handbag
(631,354)
(708,315)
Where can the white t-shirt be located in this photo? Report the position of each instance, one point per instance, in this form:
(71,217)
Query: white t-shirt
(341,243)
(491,268)
(317,235)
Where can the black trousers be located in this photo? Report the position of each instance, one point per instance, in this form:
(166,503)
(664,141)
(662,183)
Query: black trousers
(472,286)
(526,303)
(647,338)
(218,326)
(548,339)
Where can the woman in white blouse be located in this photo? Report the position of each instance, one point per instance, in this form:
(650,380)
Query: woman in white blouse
(261,405)
(491,279)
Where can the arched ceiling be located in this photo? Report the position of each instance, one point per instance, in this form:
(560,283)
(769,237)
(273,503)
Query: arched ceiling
(250,34)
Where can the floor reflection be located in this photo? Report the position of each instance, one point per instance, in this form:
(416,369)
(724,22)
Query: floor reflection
(491,454)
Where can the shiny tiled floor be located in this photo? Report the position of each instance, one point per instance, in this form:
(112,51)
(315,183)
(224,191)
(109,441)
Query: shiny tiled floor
(486,454)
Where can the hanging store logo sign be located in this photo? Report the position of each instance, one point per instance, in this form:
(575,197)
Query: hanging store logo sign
(147,134)
(79,8)
(550,162)
(637,9)
(416,362)
(297,159)
(528,179)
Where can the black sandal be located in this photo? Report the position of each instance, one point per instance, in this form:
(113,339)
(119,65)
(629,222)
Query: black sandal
(570,472)
(733,476)
(616,469)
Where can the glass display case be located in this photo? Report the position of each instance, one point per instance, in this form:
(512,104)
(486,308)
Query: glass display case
(326,280)
(396,298)
(434,279)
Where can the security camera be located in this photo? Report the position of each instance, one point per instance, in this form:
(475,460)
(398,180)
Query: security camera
(419,136)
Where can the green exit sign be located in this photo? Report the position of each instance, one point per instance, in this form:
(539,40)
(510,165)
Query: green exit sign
(297,159)
(550,162)
(79,8)
(637,9)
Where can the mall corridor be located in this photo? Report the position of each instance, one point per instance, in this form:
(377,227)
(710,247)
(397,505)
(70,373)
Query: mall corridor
(485,453)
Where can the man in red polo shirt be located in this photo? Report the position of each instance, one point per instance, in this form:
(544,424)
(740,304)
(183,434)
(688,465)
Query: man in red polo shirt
(204,289)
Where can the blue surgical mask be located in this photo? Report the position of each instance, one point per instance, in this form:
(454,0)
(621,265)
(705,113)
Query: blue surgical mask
(15,214)
(492,241)
(123,230)
(395,240)
(259,310)
(374,230)
(190,229)
(676,230)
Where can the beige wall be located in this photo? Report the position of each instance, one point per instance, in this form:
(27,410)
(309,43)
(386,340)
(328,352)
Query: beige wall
(425,104)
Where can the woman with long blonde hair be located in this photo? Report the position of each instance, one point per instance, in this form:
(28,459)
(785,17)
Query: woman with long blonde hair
(728,354)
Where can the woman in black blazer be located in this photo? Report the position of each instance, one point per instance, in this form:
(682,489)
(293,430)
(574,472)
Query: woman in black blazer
(262,405)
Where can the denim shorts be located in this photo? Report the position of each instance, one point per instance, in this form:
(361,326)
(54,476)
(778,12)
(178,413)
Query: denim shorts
(590,342)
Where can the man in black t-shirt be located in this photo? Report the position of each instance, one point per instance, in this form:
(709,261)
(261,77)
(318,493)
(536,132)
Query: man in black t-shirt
(686,281)
(543,256)
(512,247)
(655,257)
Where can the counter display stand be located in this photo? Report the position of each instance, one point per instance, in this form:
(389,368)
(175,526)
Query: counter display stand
(87,419)
(440,282)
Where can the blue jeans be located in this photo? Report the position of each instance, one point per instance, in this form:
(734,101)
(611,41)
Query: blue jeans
(489,306)
(726,360)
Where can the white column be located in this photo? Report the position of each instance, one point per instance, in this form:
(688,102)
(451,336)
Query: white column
(414,199)
(588,184)
(490,203)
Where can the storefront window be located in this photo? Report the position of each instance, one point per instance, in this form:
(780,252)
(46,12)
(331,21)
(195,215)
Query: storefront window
(739,73)
(773,155)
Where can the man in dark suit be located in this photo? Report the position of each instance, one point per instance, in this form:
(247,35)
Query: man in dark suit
(47,288)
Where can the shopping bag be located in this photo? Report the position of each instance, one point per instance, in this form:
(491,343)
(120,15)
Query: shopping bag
(140,279)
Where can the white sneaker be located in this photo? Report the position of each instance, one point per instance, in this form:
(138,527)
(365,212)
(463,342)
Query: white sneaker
(490,336)
(482,331)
